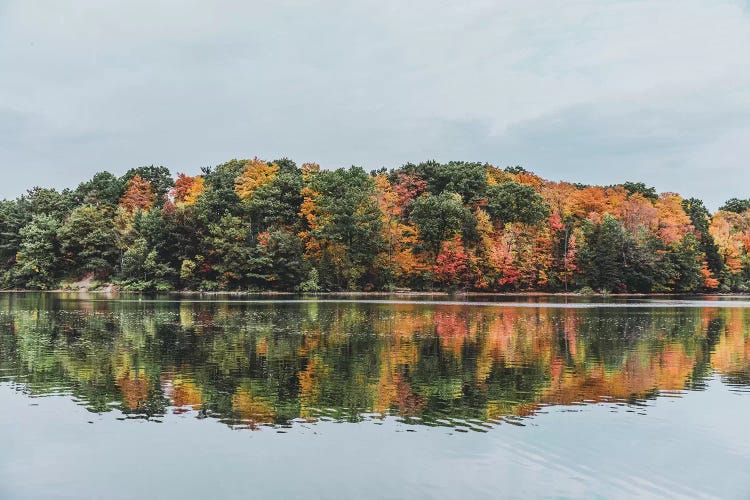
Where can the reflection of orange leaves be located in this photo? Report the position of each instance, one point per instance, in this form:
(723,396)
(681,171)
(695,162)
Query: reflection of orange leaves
(135,389)
(261,348)
(557,368)
(668,369)
(183,393)
(525,409)
(674,368)
(310,343)
(502,333)
(394,390)
(732,352)
(255,409)
(386,391)
(452,329)
(310,381)
(409,404)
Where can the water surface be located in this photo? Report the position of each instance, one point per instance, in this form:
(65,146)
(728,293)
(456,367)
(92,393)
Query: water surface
(195,397)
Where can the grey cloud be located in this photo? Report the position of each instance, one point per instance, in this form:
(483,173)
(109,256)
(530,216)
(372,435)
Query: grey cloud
(597,92)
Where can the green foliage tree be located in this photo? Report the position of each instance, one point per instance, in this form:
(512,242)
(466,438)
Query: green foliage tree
(350,218)
(229,252)
(685,260)
(735,205)
(642,189)
(279,261)
(37,259)
(88,242)
(514,202)
(278,202)
(700,218)
(50,202)
(220,197)
(602,257)
(103,189)
(142,270)
(14,215)
(468,179)
(439,218)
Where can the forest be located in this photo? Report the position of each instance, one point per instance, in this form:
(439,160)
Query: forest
(256,225)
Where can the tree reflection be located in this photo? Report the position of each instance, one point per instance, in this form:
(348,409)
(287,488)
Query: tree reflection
(259,364)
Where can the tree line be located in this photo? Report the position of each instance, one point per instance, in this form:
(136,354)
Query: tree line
(273,225)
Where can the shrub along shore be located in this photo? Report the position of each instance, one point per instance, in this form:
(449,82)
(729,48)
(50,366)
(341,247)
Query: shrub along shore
(273,226)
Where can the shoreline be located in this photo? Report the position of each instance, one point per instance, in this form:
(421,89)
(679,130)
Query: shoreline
(270,293)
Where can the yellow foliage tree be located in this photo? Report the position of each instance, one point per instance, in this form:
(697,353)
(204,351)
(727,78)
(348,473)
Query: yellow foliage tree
(255,174)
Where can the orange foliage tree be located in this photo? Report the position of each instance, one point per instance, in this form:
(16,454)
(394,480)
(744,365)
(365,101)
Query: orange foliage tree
(187,190)
(138,196)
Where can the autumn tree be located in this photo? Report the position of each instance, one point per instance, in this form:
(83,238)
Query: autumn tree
(159,178)
(255,174)
(138,196)
(253,224)
(187,189)
(453,264)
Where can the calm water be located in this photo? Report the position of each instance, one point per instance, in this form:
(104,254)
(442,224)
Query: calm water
(188,398)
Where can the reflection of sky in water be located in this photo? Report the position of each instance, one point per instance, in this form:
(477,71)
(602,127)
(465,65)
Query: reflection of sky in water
(693,446)
(444,399)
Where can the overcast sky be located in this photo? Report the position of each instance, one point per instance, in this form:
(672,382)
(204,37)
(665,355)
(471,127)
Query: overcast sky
(592,91)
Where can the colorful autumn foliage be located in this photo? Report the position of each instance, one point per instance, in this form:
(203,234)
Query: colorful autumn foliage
(187,189)
(256,173)
(256,224)
(138,195)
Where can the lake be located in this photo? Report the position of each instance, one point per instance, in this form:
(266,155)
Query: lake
(373,397)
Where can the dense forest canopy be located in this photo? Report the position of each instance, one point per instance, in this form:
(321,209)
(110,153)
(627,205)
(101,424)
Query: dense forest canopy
(259,225)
